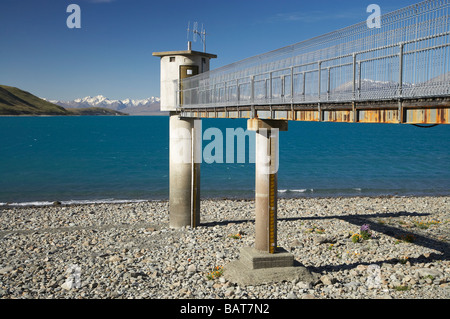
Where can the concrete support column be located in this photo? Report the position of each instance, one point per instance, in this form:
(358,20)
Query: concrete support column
(266,263)
(266,190)
(185,159)
(266,171)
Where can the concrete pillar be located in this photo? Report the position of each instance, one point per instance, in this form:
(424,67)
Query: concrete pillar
(266,190)
(266,263)
(184,170)
(266,171)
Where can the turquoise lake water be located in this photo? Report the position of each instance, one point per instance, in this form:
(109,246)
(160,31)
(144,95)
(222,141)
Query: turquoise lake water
(77,159)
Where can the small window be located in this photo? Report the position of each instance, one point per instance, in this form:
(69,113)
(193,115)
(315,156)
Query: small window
(203,60)
(172,59)
(189,72)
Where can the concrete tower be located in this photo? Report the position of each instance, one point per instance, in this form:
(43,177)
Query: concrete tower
(185,135)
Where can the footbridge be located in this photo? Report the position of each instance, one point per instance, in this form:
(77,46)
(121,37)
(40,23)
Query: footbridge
(398,74)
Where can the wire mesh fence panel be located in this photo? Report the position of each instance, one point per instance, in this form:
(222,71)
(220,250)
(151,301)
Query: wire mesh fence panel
(407,57)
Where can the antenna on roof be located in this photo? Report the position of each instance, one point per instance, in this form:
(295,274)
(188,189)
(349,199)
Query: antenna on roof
(196,32)
(188,30)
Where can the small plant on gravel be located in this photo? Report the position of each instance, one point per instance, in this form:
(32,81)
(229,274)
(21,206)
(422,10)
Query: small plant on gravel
(401,288)
(421,225)
(316,230)
(409,238)
(356,238)
(217,272)
(425,225)
(364,234)
(429,276)
(235,236)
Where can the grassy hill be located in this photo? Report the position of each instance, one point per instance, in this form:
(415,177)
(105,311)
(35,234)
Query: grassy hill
(14,101)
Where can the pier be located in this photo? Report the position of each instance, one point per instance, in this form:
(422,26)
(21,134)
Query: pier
(396,74)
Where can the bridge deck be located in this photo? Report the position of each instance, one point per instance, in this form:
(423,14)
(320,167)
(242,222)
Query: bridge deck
(433,110)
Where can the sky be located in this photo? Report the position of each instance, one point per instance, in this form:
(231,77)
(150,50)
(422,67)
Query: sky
(111,53)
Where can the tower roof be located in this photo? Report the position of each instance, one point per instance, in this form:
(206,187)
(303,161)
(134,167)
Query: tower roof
(185,52)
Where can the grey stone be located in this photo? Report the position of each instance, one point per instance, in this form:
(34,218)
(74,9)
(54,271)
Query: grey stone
(425,272)
(304,285)
(325,240)
(192,268)
(327,280)
(352,285)
(219,255)
(291,295)
(67,285)
(6,270)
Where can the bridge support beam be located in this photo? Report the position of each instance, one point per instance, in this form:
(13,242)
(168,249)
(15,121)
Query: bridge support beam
(184,171)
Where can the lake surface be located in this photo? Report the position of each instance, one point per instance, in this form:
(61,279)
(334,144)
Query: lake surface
(96,158)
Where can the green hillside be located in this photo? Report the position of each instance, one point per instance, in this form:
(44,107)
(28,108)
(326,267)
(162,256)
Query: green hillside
(14,101)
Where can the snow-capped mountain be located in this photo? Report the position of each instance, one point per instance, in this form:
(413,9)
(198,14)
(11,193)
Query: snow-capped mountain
(148,106)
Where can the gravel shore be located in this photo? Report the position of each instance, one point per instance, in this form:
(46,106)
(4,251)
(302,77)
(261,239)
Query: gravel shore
(127,250)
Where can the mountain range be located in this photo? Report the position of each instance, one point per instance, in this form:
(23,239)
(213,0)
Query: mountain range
(14,101)
(149,106)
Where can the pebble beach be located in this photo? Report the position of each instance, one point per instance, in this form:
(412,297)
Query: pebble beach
(128,250)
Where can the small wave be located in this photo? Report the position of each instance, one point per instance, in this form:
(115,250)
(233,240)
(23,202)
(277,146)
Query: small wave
(292,190)
(27,204)
(75,202)
(103,201)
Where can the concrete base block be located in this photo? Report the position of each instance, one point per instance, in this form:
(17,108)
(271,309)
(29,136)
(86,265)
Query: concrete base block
(255,259)
(249,270)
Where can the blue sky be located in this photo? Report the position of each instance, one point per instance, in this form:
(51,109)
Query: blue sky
(111,54)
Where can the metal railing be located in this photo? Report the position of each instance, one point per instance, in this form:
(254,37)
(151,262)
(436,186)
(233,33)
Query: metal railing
(408,57)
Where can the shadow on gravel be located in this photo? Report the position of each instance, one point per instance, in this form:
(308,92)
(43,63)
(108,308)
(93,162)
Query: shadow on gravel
(420,240)
(388,230)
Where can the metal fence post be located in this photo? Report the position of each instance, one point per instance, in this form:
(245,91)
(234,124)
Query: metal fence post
(270,88)
(252,94)
(320,79)
(292,85)
(400,78)
(359,78)
(354,76)
(304,86)
(329,84)
(238,93)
